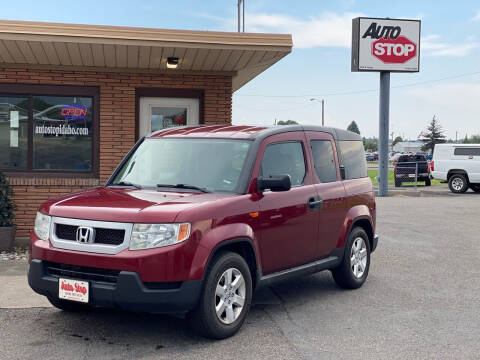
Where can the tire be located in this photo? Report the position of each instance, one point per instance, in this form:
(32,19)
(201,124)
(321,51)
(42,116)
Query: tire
(398,183)
(458,183)
(204,318)
(475,187)
(344,275)
(69,306)
(428,182)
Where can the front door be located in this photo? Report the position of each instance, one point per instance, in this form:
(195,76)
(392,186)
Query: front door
(157,113)
(288,226)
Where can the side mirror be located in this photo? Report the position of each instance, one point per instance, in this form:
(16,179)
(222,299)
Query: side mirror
(274,183)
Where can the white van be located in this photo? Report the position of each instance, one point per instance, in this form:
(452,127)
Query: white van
(459,164)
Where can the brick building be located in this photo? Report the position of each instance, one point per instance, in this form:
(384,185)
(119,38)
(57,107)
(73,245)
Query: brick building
(75,98)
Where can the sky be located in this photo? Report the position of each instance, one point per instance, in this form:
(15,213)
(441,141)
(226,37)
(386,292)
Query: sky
(447,86)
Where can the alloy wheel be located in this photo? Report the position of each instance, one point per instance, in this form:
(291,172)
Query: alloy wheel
(358,257)
(230,296)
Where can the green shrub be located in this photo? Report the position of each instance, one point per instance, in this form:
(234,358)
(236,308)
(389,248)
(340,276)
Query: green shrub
(7,206)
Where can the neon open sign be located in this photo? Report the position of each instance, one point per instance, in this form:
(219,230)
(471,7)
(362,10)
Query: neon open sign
(74,112)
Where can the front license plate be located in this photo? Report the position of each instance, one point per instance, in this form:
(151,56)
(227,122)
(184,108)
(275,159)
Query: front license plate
(73,290)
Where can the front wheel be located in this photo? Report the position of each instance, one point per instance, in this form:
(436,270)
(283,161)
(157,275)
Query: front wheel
(353,270)
(225,299)
(458,183)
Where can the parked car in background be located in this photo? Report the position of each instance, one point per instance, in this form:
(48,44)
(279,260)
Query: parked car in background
(395,157)
(369,156)
(375,156)
(411,168)
(459,164)
(194,219)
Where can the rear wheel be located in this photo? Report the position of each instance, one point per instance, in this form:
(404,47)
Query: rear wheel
(475,187)
(225,299)
(398,183)
(353,270)
(66,305)
(428,182)
(458,183)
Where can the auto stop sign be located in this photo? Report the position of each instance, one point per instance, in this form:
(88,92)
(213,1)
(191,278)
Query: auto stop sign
(385,45)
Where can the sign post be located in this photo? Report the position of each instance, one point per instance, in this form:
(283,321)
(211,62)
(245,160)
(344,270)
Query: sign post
(385,45)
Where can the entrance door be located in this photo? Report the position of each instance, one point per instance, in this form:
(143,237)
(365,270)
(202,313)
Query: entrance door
(157,113)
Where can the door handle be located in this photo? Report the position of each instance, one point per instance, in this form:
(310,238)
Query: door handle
(314,203)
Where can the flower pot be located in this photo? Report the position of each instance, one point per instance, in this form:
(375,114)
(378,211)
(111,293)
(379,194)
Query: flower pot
(7,236)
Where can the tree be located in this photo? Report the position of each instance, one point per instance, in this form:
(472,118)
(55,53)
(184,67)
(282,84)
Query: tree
(474,139)
(287,122)
(370,145)
(397,140)
(353,127)
(7,206)
(433,135)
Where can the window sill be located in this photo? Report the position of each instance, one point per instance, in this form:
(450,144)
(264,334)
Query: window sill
(41,180)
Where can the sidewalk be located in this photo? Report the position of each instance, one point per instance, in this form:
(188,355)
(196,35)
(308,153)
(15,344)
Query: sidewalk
(15,292)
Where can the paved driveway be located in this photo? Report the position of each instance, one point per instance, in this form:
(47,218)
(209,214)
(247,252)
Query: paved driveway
(421,301)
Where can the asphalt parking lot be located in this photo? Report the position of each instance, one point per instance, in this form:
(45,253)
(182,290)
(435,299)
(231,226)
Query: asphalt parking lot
(421,301)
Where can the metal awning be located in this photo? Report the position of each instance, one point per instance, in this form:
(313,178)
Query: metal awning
(112,48)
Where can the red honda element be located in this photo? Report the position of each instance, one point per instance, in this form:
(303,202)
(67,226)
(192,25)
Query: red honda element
(194,219)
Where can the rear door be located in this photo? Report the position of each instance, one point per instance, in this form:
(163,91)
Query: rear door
(288,225)
(330,191)
(470,161)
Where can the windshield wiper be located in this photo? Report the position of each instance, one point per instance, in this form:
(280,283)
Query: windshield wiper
(127,183)
(184,186)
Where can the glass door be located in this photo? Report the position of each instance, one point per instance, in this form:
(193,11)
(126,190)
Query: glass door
(157,113)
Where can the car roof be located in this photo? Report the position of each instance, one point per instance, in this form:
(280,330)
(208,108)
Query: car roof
(247,132)
(457,145)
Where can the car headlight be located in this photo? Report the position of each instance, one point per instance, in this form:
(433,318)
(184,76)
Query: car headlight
(42,226)
(147,236)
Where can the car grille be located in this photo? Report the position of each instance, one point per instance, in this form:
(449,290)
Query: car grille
(81,272)
(102,236)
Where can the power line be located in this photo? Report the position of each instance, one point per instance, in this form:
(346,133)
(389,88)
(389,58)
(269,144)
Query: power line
(363,91)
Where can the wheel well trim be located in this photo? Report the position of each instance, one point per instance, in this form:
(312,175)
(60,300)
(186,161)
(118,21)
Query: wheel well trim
(225,243)
(370,232)
(452,172)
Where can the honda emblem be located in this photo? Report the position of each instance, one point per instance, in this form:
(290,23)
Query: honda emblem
(85,234)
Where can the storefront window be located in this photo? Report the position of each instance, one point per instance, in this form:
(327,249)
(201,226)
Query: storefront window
(49,129)
(13,132)
(62,133)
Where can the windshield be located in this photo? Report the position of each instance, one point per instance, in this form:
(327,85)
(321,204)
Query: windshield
(213,165)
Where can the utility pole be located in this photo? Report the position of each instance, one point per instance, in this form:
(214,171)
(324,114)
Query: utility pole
(241,15)
(323,109)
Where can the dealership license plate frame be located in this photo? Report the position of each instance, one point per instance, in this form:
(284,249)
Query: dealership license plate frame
(74,295)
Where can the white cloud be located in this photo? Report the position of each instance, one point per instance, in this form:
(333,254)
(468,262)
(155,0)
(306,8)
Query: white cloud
(477,17)
(433,45)
(326,29)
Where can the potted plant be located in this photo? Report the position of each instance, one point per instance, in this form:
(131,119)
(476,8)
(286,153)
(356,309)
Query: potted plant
(7,207)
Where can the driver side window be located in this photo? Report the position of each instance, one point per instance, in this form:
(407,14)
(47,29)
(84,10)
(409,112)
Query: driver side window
(284,158)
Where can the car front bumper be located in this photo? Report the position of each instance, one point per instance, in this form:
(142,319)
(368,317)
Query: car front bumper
(128,292)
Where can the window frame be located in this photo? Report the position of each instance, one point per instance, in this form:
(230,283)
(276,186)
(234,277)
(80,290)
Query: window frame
(32,90)
(304,159)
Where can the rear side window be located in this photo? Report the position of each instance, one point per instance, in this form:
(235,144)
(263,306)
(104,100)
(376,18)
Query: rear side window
(467,151)
(412,158)
(324,160)
(284,158)
(353,157)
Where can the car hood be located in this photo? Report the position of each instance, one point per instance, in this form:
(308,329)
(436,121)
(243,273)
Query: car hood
(127,205)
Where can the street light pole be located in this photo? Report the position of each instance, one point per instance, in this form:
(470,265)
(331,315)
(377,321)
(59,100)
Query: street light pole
(323,109)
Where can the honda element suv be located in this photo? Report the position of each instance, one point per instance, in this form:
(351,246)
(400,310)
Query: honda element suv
(194,219)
